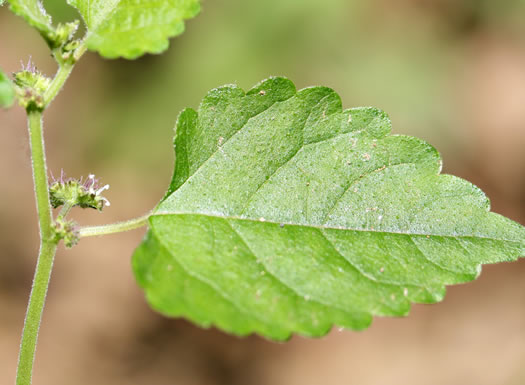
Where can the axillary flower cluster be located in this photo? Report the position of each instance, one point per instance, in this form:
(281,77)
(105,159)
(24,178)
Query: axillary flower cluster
(31,85)
(71,192)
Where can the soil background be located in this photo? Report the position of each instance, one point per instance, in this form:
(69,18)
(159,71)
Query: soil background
(449,71)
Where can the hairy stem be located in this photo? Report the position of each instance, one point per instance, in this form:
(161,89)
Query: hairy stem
(119,227)
(38,158)
(65,210)
(48,243)
(47,251)
(64,70)
(56,85)
(80,51)
(34,313)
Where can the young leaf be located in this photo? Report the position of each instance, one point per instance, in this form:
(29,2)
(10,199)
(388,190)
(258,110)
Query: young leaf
(288,215)
(7,92)
(34,13)
(131,28)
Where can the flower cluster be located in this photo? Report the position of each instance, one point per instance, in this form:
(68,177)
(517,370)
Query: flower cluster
(78,192)
(67,231)
(63,42)
(31,85)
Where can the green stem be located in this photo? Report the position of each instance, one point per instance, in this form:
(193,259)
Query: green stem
(40,180)
(48,244)
(34,313)
(113,228)
(64,70)
(65,210)
(47,251)
(80,51)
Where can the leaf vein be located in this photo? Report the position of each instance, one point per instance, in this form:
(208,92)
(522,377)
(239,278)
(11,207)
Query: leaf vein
(366,276)
(211,284)
(226,140)
(252,195)
(444,268)
(293,290)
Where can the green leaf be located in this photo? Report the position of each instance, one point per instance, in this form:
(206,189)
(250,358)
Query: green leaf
(288,215)
(7,92)
(34,13)
(131,28)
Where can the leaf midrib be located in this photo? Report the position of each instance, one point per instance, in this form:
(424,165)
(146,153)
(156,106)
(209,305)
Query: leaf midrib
(325,227)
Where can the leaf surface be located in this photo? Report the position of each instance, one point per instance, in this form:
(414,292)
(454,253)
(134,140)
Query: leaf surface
(34,13)
(287,215)
(131,28)
(7,92)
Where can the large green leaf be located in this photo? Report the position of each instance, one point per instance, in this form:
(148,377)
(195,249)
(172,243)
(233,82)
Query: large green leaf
(288,215)
(7,92)
(34,13)
(130,28)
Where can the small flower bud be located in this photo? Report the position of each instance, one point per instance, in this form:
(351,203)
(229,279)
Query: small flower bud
(63,43)
(64,33)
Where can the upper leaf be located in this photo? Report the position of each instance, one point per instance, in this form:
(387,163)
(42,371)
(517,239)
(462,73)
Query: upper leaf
(287,214)
(130,28)
(34,13)
(7,92)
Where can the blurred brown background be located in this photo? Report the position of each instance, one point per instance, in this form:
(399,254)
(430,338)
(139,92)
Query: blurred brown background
(449,71)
